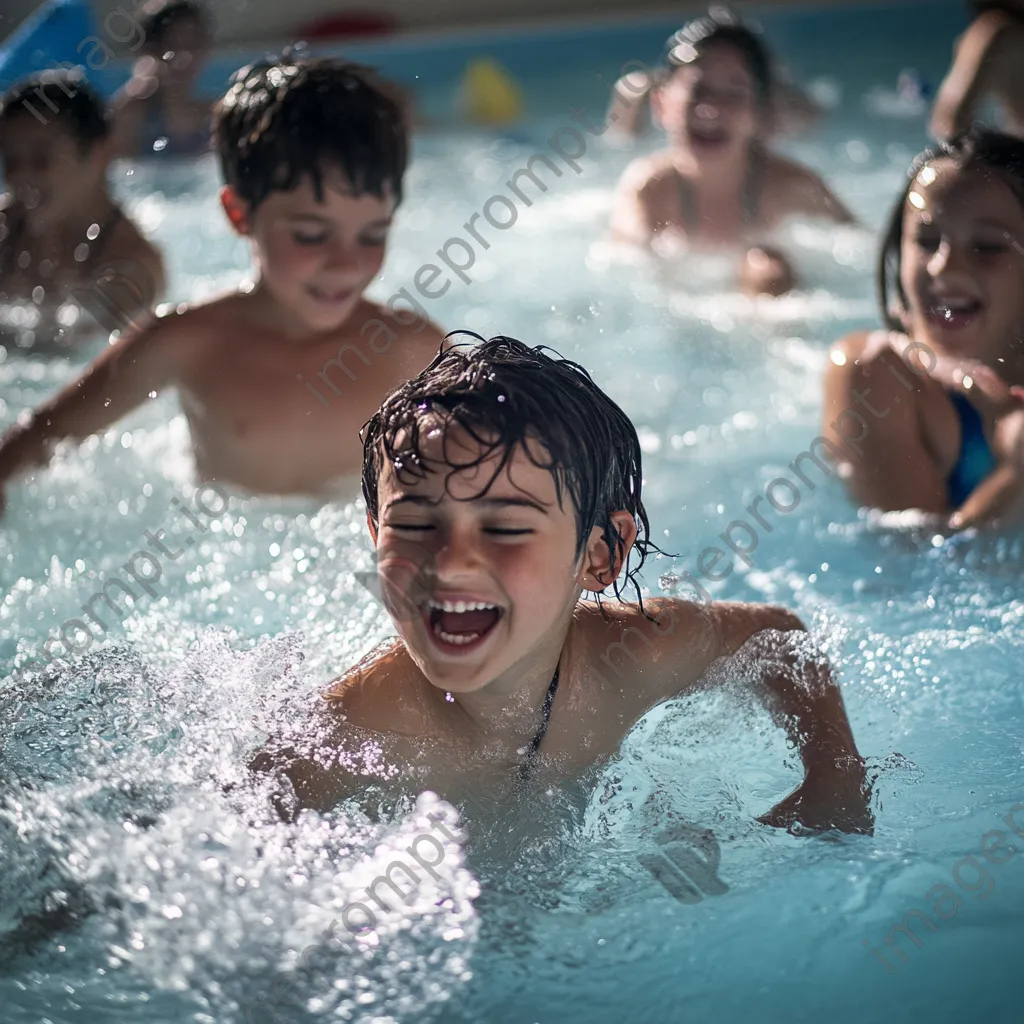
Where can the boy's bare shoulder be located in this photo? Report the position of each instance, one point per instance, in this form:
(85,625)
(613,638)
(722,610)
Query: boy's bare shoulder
(215,318)
(646,656)
(402,336)
(646,641)
(382,693)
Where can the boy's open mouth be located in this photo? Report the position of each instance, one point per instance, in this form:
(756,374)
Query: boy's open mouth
(460,625)
(330,296)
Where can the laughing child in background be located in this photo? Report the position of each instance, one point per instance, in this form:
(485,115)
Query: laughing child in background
(501,484)
(65,244)
(718,184)
(313,154)
(157,112)
(928,413)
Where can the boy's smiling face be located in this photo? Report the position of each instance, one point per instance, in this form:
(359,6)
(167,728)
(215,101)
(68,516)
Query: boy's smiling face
(479,574)
(316,257)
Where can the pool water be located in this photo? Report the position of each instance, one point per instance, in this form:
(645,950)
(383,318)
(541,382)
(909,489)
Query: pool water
(135,889)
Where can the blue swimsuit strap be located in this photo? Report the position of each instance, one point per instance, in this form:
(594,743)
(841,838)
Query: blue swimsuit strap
(975,460)
(526,766)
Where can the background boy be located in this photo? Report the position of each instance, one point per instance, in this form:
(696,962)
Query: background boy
(313,154)
(62,236)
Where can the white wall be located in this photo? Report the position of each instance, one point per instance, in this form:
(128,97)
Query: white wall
(247,21)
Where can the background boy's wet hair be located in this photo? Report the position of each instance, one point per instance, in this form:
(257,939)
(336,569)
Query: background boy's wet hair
(279,122)
(504,394)
(62,97)
(157,19)
(721,27)
(978,148)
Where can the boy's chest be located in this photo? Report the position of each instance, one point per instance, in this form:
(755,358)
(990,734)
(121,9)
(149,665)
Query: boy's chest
(255,409)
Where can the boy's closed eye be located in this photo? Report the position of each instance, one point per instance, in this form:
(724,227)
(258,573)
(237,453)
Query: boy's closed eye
(302,238)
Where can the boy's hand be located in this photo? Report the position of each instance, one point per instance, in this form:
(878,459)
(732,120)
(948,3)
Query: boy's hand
(828,798)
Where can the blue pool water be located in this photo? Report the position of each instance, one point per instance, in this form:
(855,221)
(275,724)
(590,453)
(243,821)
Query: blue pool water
(134,890)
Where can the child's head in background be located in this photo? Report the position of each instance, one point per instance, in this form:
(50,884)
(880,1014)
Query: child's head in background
(177,34)
(313,153)
(716,92)
(951,273)
(54,143)
(500,484)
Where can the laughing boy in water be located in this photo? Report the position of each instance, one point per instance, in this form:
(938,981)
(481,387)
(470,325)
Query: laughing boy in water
(500,485)
(313,155)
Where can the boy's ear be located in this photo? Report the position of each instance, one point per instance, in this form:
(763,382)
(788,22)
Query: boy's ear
(236,210)
(597,568)
(372,527)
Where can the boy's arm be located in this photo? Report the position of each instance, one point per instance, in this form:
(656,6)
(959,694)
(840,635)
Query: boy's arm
(311,776)
(971,72)
(773,655)
(328,762)
(118,381)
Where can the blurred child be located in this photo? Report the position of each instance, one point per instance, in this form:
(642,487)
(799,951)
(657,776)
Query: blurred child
(157,112)
(988,63)
(64,242)
(927,414)
(717,183)
(500,485)
(793,110)
(313,155)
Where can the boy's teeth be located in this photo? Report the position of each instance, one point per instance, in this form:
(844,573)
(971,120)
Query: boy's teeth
(461,606)
(455,638)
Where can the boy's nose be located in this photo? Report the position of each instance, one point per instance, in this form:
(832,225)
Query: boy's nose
(457,557)
(342,257)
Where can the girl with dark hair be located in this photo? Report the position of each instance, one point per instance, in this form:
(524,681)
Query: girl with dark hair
(987,63)
(717,183)
(157,113)
(927,414)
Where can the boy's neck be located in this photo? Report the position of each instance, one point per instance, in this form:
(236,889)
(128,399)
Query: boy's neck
(508,708)
(278,319)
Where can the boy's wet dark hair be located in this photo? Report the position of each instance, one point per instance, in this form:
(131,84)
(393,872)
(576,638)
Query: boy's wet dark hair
(979,148)
(156,19)
(721,27)
(281,121)
(505,393)
(60,96)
